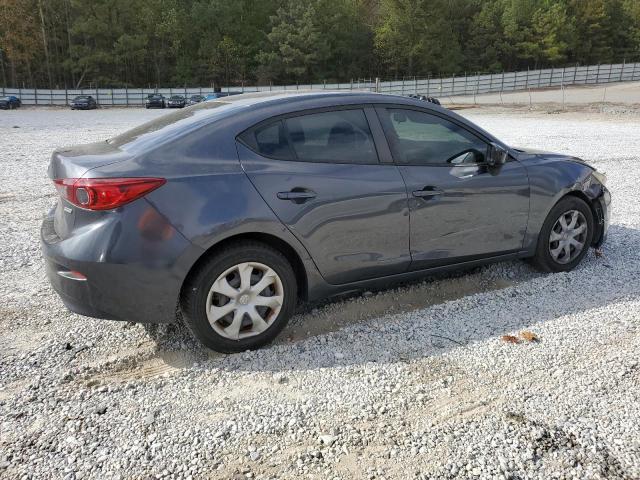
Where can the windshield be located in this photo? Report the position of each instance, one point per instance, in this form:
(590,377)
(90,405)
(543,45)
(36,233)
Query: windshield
(82,97)
(176,97)
(156,95)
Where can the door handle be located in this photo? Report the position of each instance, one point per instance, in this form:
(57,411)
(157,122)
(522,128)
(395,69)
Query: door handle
(297,195)
(427,192)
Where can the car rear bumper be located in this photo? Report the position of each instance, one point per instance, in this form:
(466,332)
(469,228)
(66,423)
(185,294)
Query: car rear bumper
(128,276)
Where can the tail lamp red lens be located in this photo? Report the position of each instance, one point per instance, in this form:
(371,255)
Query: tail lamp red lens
(105,193)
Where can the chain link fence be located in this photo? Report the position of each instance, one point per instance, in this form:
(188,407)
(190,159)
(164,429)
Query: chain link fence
(434,86)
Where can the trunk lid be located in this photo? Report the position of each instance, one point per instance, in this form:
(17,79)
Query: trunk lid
(75,161)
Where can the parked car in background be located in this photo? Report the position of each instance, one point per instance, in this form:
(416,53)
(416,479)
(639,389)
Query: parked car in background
(214,96)
(10,102)
(424,98)
(83,102)
(236,210)
(176,101)
(155,100)
(196,99)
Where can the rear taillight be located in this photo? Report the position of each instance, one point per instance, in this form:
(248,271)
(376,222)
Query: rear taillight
(105,193)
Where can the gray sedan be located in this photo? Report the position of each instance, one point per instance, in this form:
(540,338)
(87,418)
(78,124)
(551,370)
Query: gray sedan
(233,211)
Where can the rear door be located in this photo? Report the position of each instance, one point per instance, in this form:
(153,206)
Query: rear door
(461,208)
(320,173)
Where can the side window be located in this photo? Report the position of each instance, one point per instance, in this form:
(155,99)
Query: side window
(419,138)
(268,140)
(342,136)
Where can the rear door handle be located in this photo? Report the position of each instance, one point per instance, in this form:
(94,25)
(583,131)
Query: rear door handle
(427,192)
(299,195)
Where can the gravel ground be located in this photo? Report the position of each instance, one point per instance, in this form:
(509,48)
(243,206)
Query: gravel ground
(409,383)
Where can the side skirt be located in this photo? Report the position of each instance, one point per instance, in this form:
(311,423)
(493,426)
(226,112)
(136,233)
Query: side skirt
(325,290)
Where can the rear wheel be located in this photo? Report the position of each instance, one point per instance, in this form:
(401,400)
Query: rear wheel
(240,298)
(565,236)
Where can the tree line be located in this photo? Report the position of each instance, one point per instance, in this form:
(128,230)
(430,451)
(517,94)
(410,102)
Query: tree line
(140,43)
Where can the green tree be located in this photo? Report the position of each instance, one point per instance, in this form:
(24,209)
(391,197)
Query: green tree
(296,49)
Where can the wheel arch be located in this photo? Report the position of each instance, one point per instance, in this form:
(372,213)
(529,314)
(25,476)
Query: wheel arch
(596,212)
(267,239)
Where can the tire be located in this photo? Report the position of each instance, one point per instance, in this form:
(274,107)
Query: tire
(237,331)
(544,258)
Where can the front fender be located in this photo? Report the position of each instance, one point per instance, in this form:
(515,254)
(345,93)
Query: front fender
(550,180)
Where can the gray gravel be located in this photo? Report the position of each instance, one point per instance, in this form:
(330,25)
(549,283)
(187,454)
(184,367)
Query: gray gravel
(410,383)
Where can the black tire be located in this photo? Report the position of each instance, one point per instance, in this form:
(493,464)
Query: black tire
(543,259)
(196,289)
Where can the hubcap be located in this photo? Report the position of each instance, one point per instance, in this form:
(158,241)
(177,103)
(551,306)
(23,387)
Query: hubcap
(244,300)
(568,236)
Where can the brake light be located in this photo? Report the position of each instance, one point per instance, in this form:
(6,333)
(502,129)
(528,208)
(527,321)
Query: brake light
(105,193)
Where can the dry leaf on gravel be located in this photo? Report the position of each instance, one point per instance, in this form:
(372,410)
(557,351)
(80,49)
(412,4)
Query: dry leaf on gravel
(529,336)
(599,253)
(510,339)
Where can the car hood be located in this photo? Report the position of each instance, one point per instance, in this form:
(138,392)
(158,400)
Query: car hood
(524,154)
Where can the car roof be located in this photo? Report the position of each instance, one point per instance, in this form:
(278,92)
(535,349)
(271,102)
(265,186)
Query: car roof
(251,108)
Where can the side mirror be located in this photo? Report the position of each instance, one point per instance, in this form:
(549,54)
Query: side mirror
(497,155)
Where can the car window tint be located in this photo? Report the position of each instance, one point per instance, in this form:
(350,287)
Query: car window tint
(269,140)
(419,138)
(340,136)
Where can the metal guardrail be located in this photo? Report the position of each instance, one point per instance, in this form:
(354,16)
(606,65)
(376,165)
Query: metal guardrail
(436,86)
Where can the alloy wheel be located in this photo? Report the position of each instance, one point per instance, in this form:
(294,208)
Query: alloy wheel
(244,300)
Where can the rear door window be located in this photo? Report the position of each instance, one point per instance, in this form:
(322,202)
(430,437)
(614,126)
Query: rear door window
(340,136)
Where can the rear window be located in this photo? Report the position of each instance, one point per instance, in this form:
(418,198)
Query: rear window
(165,127)
(341,136)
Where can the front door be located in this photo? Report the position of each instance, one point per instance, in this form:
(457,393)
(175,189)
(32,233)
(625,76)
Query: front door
(461,208)
(319,172)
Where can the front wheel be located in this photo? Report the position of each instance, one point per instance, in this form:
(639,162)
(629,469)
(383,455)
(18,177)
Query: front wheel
(565,237)
(240,298)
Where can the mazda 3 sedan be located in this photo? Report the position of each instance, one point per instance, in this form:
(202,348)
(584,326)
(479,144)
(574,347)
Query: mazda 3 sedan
(230,212)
